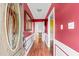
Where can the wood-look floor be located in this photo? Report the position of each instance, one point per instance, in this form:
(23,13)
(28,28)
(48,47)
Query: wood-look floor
(39,48)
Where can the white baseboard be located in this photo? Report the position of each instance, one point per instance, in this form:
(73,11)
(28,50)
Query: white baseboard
(65,48)
(26,52)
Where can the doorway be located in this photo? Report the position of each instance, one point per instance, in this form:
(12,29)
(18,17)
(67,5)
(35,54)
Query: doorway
(39,30)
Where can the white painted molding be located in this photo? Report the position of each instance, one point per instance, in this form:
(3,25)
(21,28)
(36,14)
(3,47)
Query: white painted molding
(26,52)
(46,39)
(66,49)
(59,52)
(26,39)
(29,36)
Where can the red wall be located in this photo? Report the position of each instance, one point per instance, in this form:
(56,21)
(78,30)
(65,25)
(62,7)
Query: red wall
(26,8)
(49,10)
(64,14)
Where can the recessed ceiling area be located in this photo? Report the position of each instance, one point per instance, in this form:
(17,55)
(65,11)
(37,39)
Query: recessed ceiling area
(39,10)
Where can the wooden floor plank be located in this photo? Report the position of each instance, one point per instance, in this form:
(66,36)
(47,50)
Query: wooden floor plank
(39,48)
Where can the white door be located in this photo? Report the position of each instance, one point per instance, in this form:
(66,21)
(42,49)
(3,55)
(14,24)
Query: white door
(39,27)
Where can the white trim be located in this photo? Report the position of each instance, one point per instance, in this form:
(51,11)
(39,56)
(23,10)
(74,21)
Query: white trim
(45,35)
(54,30)
(49,31)
(67,49)
(59,52)
(26,52)
(52,12)
(29,36)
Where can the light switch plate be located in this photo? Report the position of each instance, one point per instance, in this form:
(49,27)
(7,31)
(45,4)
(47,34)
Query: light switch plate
(61,27)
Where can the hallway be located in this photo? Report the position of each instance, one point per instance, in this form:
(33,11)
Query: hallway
(36,21)
(39,29)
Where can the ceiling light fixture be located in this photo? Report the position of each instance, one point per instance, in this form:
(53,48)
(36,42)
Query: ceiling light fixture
(39,10)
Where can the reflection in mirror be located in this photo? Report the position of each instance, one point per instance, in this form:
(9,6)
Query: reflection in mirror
(12,24)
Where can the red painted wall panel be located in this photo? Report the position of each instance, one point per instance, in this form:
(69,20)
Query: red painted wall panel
(64,14)
(50,9)
(26,8)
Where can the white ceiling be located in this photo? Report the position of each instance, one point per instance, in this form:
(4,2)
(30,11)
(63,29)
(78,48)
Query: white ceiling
(39,10)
